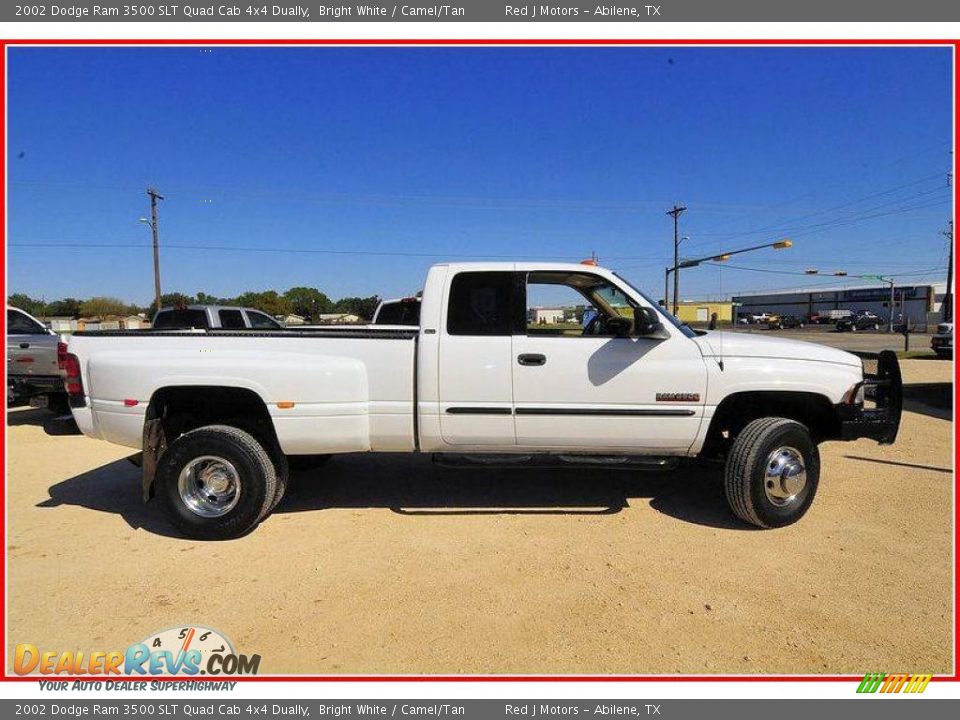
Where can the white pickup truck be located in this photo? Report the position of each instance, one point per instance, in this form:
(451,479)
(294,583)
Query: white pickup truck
(218,413)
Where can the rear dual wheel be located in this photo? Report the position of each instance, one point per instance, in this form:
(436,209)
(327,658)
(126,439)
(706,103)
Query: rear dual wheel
(218,482)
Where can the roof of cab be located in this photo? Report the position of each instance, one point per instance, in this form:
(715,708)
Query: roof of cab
(527,266)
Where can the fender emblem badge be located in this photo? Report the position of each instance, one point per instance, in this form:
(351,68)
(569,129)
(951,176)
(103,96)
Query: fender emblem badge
(678,397)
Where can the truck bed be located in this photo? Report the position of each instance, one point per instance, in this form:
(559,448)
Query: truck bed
(367,331)
(352,387)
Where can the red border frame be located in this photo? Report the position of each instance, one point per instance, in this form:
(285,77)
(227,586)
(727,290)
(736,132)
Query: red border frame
(955,44)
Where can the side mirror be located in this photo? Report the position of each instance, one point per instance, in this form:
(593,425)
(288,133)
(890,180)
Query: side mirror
(646,321)
(619,326)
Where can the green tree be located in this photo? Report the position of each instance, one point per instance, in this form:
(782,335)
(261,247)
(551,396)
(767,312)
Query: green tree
(363,307)
(26,303)
(102,306)
(206,299)
(308,302)
(67,307)
(172,300)
(269,301)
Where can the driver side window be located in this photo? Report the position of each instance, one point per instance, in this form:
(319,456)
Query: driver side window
(571,304)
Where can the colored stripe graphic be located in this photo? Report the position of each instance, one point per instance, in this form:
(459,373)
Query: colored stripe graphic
(894,683)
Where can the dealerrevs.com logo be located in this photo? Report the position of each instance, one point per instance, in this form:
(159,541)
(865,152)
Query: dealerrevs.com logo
(894,683)
(192,650)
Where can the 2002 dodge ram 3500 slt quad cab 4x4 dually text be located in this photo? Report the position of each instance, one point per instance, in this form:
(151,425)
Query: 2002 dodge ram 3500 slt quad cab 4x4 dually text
(220,414)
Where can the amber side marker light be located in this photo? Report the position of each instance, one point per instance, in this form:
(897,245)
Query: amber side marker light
(285,405)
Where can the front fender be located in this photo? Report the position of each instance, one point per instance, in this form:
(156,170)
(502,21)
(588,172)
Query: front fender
(744,374)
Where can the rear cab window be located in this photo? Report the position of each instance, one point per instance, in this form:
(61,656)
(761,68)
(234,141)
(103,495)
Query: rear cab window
(181,319)
(231,320)
(403,312)
(482,303)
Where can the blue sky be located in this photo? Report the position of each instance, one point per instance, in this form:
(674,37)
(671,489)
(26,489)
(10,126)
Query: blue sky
(395,158)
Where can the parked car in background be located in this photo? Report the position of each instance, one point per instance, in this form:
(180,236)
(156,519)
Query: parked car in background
(213,317)
(773,321)
(33,363)
(942,342)
(815,318)
(792,321)
(834,316)
(860,321)
(400,311)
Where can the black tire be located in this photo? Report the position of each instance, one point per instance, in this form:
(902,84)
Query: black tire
(301,463)
(282,469)
(257,478)
(58,403)
(746,468)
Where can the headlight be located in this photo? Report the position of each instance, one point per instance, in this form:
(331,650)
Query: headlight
(854,396)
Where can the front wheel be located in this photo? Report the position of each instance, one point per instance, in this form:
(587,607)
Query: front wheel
(772,472)
(216,482)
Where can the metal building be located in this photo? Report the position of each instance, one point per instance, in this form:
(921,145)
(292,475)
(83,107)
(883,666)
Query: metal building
(913,303)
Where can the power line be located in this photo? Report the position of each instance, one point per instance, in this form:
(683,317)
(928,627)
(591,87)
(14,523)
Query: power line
(787,223)
(795,272)
(321,251)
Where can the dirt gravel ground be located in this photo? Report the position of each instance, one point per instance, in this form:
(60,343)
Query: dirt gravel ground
(388,564)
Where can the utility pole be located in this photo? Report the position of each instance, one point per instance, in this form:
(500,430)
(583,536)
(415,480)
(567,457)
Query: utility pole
(154,196)
(948,296)
(676,211)
(892,301)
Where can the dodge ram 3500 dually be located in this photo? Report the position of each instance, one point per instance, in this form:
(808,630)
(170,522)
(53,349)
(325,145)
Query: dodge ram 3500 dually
(218,414)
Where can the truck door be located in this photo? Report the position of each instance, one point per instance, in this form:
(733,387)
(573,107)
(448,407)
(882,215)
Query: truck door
(474,364)
(578,385)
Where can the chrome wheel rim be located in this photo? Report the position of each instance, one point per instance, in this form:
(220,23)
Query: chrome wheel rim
(785,476)
(209,486)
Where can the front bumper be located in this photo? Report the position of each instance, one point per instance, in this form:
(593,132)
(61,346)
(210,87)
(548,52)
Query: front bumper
(885,388)
(942,342)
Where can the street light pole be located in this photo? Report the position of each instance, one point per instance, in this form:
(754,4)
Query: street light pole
(676,211)
(723,257)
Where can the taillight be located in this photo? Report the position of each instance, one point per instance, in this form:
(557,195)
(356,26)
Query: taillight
(61,355)
(74,383)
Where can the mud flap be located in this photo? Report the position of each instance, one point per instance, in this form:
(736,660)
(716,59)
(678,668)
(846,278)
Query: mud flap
(154,445)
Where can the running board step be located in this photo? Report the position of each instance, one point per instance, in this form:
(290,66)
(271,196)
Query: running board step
(555,460)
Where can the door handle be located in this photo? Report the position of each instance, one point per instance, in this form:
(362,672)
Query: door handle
(532,359)
(24,346)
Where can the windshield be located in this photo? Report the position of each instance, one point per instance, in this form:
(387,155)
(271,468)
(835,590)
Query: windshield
(681,326)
